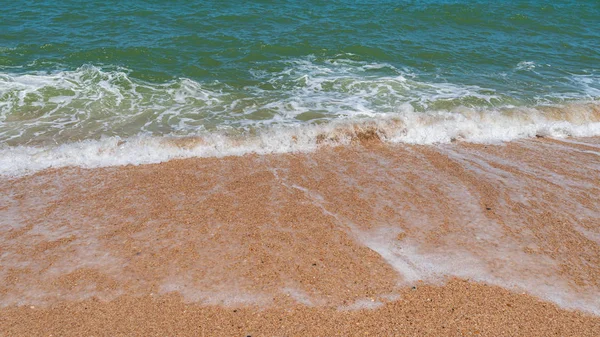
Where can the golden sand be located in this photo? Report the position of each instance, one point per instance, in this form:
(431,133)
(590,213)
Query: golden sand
(457,239)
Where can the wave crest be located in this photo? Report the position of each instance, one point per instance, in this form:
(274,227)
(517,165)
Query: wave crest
(469,125)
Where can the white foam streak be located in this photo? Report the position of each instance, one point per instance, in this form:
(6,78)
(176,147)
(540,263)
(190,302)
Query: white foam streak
(409,127)
(93,117)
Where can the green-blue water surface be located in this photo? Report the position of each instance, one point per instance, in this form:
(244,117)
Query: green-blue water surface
(73,70)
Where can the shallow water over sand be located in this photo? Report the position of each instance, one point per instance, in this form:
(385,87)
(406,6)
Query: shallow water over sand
(344,227)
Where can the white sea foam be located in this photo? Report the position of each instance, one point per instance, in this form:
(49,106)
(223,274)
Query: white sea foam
(91,102)
(361,304)
(225,297)
(409,127)
(526,65)
(94,117)
(299,296)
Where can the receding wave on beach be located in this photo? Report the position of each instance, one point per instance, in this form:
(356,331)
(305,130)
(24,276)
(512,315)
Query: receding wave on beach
(363,226)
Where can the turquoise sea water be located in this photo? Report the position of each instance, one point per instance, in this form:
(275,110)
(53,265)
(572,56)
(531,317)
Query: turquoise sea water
(79,80)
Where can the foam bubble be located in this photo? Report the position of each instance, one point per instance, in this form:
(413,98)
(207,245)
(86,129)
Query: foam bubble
(198,293)
(526,65)
(361,304)
(299,296)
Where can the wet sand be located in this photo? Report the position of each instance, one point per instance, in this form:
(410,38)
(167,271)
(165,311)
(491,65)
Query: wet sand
(494,239)
(457,309)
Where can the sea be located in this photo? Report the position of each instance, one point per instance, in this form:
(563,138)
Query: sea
(103,83)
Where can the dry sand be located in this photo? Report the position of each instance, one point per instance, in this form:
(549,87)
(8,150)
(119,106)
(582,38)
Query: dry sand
(495,240)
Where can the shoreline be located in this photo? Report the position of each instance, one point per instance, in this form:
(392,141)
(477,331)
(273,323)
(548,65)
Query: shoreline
(411,128)
(302,235)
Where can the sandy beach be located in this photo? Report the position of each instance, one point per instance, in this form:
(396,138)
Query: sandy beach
(364,239)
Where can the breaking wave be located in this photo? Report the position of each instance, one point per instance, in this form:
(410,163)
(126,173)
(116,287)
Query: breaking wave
(413,127)
(92,116)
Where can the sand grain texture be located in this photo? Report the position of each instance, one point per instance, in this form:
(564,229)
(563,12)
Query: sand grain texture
(497,239)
